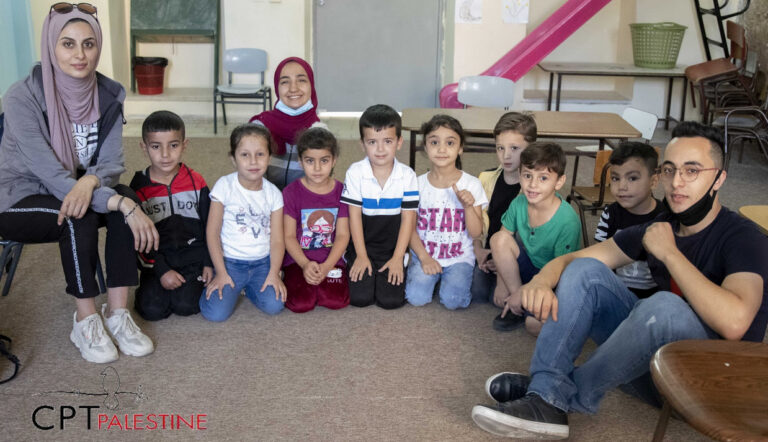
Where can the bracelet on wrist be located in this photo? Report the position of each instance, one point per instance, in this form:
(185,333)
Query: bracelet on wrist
(130,213)
(120,202)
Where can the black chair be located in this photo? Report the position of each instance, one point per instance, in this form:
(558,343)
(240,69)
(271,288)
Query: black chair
(9,260)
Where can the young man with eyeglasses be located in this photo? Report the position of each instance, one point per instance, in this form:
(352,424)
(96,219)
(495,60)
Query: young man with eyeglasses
(710,265)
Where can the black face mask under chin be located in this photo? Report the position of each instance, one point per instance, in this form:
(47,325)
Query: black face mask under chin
(697,212)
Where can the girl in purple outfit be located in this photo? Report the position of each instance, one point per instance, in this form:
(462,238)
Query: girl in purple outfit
(316,226)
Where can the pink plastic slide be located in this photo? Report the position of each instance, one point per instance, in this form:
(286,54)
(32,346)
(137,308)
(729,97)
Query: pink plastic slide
(535,46)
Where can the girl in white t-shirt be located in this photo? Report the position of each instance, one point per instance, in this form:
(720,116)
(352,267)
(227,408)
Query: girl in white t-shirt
(245,231)
(450,216)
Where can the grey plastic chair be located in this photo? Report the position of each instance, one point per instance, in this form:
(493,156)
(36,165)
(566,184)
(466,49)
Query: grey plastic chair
(242,61)
(486,91)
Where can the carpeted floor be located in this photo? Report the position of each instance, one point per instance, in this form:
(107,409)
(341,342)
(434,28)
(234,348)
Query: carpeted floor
(354,374)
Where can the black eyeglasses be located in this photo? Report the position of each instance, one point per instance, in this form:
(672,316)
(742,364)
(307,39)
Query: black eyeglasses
(65,8)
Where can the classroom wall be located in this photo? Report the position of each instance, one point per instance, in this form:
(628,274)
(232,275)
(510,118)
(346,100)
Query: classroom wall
(478,45)
(756,23)
(596,41)
(604,38)
(283,28)
(277,27)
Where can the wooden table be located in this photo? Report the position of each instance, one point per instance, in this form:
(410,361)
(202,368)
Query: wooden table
(756,214)
(479,122)
(615,70)
(719,387)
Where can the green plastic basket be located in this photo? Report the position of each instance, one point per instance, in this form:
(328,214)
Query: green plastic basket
(656,45)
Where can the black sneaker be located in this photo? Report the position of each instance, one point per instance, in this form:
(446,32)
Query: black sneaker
(507,386)
(527,418)
(508,323)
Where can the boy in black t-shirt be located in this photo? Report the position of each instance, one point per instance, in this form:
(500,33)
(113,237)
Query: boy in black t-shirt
(711,267)
(513,132)
(633,177)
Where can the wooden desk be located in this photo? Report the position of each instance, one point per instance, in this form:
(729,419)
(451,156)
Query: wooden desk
(479,122)
(615,70)
(719,387)
(756,214)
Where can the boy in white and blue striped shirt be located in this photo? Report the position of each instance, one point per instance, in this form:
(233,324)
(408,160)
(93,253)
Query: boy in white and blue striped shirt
(383,196)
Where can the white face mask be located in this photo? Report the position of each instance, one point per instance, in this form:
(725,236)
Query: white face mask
(291,112)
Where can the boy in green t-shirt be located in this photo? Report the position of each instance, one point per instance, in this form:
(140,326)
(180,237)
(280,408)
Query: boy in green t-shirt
(546,228)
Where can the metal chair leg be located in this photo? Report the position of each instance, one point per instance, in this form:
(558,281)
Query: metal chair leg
(214,112)
(223,110)
(584,236)
(11,255)
(10,260)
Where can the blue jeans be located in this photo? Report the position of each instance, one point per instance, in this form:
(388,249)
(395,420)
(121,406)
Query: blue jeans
(248,275)
(454,285)
(594,303)
(483,285)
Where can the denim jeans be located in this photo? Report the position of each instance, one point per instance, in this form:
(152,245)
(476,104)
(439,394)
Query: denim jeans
(454,285)
(248,275)
(483,285)
(594,303)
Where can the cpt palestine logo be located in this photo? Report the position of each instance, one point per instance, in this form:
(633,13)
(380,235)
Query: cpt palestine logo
(103,417)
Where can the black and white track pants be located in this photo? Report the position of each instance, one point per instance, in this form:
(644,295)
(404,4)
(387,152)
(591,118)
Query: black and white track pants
(33,220)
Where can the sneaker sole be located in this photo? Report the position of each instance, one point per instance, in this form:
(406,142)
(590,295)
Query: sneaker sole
(491,379)
(501,424)
(135,354)
(83,354)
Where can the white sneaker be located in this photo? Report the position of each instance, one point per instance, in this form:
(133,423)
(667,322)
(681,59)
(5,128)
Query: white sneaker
(89,337)
(128,335)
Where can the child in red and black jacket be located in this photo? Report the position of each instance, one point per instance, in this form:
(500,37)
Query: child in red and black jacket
(177,200)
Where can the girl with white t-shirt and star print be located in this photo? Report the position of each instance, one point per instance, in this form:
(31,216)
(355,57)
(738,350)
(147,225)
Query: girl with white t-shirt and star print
(449,218)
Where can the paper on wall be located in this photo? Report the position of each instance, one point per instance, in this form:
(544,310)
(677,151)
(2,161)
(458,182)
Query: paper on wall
(469,11)
(514,11)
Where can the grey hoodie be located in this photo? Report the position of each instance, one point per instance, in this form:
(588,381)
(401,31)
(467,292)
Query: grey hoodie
(28,165)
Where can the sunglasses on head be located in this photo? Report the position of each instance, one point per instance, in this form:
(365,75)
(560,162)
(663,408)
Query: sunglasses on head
(65,8)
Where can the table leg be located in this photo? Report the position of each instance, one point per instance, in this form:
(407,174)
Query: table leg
(549,95)
(559,84)
(685,91)
(412,153)
(575,171)
(661,426)
(669,102)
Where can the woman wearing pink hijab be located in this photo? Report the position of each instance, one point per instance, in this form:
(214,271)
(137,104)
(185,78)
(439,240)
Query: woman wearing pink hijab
(295,111)
(61,157)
